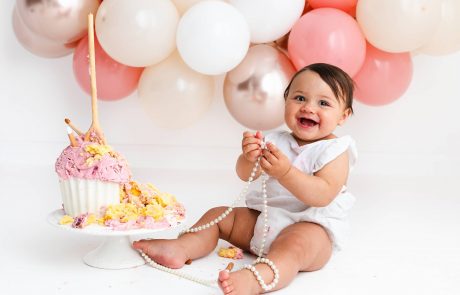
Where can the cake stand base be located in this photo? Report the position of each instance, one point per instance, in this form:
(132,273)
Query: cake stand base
(114,253)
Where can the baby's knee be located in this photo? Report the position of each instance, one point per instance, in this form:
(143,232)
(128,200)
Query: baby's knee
(216,211)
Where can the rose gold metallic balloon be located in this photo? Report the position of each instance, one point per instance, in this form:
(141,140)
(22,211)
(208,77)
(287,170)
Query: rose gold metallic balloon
(253,91)
(62,21)
(36,44)
(282,44)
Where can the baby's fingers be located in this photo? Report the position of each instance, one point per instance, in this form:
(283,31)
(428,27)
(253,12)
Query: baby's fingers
(250,147)
(248,134)
(253,154)
(251,140)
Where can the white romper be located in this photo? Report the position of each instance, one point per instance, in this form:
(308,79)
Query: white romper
(284,209)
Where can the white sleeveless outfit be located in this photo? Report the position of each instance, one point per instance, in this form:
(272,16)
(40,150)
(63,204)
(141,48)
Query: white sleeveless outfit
(284,209)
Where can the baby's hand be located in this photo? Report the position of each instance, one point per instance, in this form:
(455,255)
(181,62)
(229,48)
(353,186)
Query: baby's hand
(274,162)
(251,145)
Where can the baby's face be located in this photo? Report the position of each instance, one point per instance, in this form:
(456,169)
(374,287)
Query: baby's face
(312,111)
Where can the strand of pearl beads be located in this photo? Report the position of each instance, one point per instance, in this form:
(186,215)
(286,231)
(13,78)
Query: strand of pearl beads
(259,278)
(260,258)
(208,283)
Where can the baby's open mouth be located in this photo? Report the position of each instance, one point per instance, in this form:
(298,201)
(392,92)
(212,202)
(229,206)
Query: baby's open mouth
(307,122)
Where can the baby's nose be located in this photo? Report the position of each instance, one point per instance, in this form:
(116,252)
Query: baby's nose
(308,107)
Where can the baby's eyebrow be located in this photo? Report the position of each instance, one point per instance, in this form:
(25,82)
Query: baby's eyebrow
(299,91)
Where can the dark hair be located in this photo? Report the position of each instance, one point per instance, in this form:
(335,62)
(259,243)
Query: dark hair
(340,82)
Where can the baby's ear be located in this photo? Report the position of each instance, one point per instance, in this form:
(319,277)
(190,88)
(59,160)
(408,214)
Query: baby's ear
(346,113)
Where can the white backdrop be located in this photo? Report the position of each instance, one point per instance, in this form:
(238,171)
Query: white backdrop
(419,134)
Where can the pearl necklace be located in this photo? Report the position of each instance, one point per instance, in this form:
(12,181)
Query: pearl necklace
(260,258)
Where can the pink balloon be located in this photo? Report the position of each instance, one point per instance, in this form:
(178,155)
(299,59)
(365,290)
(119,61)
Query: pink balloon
(384,76)
(327,35)
(345,5)
(114,80)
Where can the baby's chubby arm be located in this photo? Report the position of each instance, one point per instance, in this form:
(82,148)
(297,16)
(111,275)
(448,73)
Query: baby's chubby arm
(316,190)
(251,150)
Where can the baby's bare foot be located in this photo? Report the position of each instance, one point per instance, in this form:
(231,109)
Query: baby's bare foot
(165,252)
(240,282)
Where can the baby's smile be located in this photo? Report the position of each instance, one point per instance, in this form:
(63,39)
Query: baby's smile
(307,122)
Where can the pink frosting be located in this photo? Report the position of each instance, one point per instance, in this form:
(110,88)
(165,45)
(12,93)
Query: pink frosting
(72,163)
(141,222)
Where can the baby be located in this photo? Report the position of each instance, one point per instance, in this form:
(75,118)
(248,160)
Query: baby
(307,203)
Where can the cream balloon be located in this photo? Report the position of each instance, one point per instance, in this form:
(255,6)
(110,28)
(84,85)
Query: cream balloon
(60,21)
(137,33)
(446,39)
(253,91)
(183,5)
(269,20)
(36,44)
(398,25)
(212,37)
(174,95)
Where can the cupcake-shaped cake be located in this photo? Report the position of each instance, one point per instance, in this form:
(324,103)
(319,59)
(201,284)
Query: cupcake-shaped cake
(90,174)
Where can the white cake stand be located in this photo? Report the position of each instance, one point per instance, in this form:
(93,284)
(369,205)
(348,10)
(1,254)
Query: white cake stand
(115,252)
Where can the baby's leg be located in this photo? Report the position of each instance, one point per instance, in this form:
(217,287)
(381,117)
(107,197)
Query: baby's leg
(237,228)
(302,246)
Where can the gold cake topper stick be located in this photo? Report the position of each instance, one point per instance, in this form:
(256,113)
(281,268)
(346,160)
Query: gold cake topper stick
(73,141)
(95,127)
(69,123)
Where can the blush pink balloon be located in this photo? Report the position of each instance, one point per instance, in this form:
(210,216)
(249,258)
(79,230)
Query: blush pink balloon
(327,35)
(114,80)
(345,5)
(384,76)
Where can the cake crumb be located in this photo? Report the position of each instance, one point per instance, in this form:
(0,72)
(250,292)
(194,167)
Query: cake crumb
(230,252)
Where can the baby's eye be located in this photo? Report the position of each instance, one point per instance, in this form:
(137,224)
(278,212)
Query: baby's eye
(323,103)
(299,98)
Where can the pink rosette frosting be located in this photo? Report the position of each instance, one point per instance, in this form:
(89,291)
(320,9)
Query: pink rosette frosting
(73,162)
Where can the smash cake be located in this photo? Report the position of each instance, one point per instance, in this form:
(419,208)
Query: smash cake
(96,182)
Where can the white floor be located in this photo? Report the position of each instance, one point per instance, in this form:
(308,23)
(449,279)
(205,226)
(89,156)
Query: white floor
(405,239)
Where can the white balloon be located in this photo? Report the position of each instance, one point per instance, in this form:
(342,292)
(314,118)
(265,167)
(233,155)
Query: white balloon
(398,25)
(173,95)
(137,33)
(212,37)
(446,39)
(269,20)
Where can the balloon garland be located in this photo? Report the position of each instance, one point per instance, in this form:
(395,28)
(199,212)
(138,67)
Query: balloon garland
(134,39)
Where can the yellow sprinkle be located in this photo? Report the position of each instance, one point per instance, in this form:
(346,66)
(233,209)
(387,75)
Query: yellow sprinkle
(66,219)
(98,149)
(91,219)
